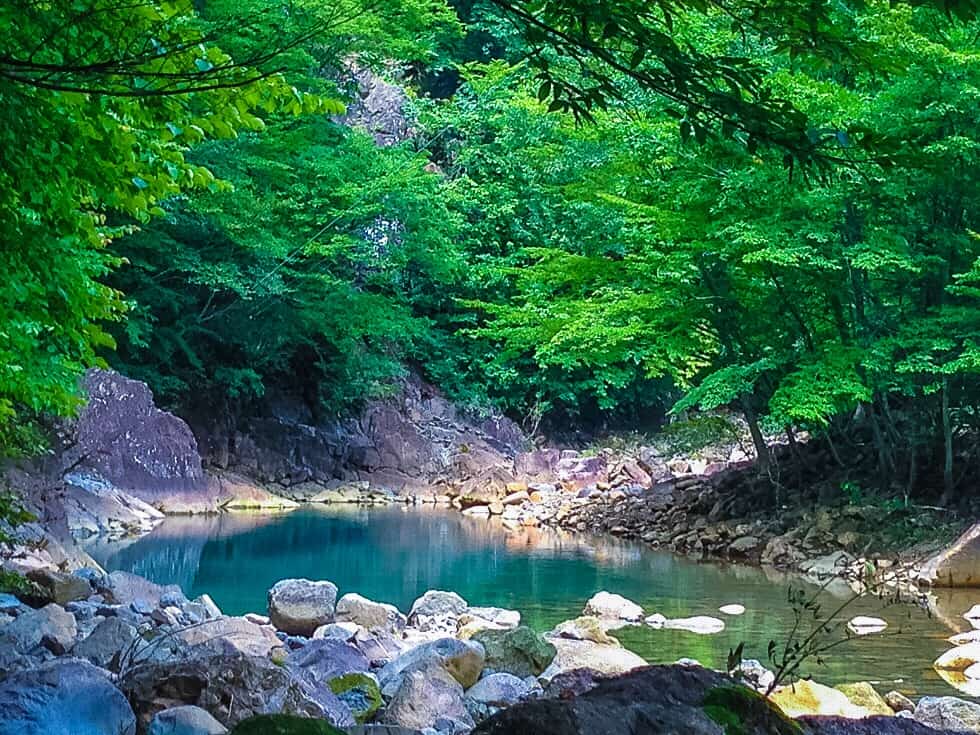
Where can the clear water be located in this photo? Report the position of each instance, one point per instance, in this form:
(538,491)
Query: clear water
(395,554)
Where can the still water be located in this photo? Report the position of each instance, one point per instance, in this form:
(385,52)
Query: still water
(395,554)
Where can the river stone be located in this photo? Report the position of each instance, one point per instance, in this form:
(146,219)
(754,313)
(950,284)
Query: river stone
(700,624)
(864,625)
(520,651)
(327,658)
(606,660)
(607,605)
(425,696)
(64,696)
(437,603)
(864,695)
(107,643)
(59,587)
(733,609)
(899,702)
(805,697)
(185,720)
(959,658)
(948,713)
(464,660)
(352,608)
(958,565)
(585,628)
(300,606)
(360,692)
(233,687)
(51,626)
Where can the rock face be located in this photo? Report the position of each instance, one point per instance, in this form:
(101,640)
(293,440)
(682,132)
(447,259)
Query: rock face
(300,606)
(105,645)
(957,566)
(123,437)
(64,696)
(948,713)
(407,443)
(378,109)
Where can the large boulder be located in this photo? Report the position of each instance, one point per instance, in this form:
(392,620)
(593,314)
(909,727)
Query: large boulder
(106,645)
(948,713)
(429,697)
(676,700)
(375,616)
(124,588)
(463,660)
(219,636)
(60,587)
(607,660)
(585,628)
(185,720)
(231,687)
(300,606)
(51,627)
(806,697)
(519,651)
(958,565)
(122,436)
(64,696)
(437,603)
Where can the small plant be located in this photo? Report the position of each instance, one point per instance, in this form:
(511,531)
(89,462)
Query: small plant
(853,492)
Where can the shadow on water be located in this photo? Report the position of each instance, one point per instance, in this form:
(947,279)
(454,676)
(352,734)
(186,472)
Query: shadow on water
(396,554)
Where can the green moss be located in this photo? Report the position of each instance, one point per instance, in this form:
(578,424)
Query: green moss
(359,692)
(742,711)
(284,725)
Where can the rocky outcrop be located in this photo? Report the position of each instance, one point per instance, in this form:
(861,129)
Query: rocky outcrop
(411,442)
(958,565)
(378,108)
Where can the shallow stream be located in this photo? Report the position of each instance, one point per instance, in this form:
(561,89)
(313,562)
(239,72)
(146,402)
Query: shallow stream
(395,554)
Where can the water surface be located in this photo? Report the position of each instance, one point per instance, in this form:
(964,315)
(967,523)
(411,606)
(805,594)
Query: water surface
(395,554)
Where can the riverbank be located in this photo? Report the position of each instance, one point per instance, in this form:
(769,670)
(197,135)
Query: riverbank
(117,653)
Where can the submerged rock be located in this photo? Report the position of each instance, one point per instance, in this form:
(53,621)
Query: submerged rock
(700,624)
(959,658)
(64,696)
(300,606)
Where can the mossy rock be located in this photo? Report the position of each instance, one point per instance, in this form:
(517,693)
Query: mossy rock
(519,651)
(360,692)
(284,725)
(742,711)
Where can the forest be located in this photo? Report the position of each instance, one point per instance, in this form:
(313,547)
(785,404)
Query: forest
(603,214)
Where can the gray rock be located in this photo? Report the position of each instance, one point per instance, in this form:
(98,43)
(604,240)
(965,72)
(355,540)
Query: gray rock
(51,626)
(10,604)
(494,692)
(375,616)
(106,645)
(59,587)
(123,588)
(607,660)
(327,658)
(185,720)
(425,696)
(61,697)
(948,713)
(463,660)
(300,606)
(233,687)
(437,603)
(221,636)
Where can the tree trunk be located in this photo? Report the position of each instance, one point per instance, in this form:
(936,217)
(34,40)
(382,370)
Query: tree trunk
(761,448)
(948,446)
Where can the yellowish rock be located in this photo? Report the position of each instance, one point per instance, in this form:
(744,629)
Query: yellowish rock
(959,658)
(810,698)
(864,695)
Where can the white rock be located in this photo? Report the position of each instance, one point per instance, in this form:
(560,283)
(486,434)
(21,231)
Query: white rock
(864,625)
(959,658)
(700,624)
(972,671)
(970,636)
(733,609)
(973,614)
(607,605)
(656,620)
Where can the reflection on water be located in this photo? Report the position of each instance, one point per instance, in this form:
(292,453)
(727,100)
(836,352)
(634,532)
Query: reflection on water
(395,554)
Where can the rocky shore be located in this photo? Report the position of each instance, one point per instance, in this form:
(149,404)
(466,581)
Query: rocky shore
(87,652)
